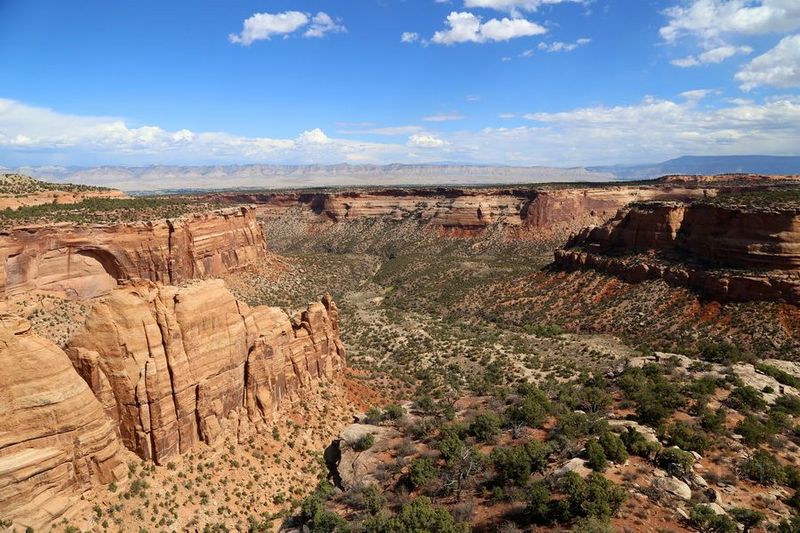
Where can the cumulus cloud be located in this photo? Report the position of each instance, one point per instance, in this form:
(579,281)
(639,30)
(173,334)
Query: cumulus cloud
(263,26)
(712,56)
(425,141)
(559,46)
(650,130)
(779,67)
(464,27)
(516,5)
(443,117)
(710,19)
(409,37)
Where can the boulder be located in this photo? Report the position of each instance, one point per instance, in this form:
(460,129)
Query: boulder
(673,486)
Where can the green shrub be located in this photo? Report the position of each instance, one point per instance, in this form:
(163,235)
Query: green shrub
(596,457)
(613,447)
(423,470)
(686,437)
(393,412)
(747,517)
(513,465)
(719,352)
(753,430)
(636,444)
(677,462)
(707,521)
(788,403)
(419,515)
(747,398)
(762,467)
(713,421)
(364,443)
(539,505)
(779,375)
(485,427)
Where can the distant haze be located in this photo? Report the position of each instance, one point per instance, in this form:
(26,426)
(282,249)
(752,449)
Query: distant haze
(157,177)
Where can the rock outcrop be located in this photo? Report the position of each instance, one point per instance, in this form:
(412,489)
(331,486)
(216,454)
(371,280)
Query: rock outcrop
(541,210)
(728,253)
(86,261)
(55,439)
(174,366)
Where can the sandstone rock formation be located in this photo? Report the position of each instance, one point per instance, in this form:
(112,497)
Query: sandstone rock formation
(175,366)
(728,253)
(55,439)
(544,210)
(85,261)
(22,191)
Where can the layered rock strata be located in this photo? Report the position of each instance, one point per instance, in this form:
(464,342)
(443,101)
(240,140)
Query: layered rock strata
(85,261)
(55,439)
(728,253)
(541,209)
(176,366)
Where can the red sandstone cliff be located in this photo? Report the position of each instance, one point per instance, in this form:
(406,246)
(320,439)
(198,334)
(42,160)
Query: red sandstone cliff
(175,366)
(84,261)
(55,439)
(727,252)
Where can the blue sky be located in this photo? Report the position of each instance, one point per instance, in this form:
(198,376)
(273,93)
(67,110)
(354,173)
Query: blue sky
(523,82)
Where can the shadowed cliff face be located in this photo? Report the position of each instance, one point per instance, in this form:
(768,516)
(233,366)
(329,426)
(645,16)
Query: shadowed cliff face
(757,249)
(85,261)
(175,366)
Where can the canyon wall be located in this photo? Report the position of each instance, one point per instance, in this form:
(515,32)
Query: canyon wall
(176,366)
(55,439)
(542,210)
(85,261)
(727,252)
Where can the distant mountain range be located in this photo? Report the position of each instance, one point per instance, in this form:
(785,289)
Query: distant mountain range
(752,164)
(161,178)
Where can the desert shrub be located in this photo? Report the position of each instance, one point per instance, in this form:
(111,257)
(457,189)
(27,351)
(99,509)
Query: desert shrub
(703,386)
(788,403)
(753,430)
(513,465)
(713,421)
(779,375)
(748,518)
(425,404)
(613,447)
(530,411)
(594,399)
(538,454)
(485,426)
(746,398)
(762,467)
(595,456)
(596,496)
(420,515)
(655,397)
(393,412)
(314,514)
(423,470)
(636,444)
(677,462)
(593,524)
(723,352)
(364,443)
(451,446)
(706,520)
(686,437)
(366,497)
(538,509)
(373,416)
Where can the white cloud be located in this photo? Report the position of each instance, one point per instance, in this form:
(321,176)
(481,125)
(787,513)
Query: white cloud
(506,116)
(425,141)
(710,19)
(516,5)
(443,117)
(712,56)
(409,37)
(650,130)
(263,26)
(558,46)
(321,25)
(464,27)
(779,67)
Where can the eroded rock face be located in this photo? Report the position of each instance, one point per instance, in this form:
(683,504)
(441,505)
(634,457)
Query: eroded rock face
(86,261)
(542,210)
(174,366)
(758,249)
(55,439)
